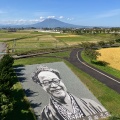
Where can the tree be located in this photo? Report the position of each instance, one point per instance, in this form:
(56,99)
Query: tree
(6,105)
(85,45)
(118,40)
(92,54)
(88,45)
(111,42)
(101,43)
(6,72)
(6,83)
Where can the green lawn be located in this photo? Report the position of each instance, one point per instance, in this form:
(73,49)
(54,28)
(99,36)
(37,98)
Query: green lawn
(109,98)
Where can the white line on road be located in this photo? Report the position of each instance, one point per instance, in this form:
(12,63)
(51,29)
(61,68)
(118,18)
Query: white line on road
(96,70)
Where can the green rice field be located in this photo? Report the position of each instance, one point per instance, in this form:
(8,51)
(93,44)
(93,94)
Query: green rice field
(30,40)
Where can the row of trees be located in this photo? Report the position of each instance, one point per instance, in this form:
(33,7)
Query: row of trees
(6,83)
(94,30)
(101,44)
(73,30)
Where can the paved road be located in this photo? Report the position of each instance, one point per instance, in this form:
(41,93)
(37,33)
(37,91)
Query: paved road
(2,49)
(108,80)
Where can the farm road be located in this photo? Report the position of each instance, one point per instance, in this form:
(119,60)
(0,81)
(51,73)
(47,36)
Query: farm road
(108,80)
(2,49)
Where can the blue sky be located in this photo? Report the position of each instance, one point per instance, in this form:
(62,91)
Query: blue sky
(79,12)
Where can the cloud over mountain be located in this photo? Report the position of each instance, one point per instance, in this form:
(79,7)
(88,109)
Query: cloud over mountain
(53,23)
(47,23)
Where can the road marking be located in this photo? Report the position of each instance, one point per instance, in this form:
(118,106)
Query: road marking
(95,69)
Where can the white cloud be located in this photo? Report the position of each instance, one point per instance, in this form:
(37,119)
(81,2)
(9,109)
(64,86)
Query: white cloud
(70,19)
(110,13)
(51,17)
(61,17)
(41,17)
(31,21)
(20,21)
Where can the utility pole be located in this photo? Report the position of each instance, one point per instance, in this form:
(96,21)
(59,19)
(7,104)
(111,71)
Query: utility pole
(14,44)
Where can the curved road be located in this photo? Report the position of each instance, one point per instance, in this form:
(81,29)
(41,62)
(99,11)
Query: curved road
(108,80)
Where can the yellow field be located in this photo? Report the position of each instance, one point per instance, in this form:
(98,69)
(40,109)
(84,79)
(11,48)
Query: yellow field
(111,56)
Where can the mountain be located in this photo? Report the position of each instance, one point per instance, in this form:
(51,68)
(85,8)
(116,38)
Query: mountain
(47,23)
(53,23)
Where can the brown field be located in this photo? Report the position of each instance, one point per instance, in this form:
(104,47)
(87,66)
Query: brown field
(111,56)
